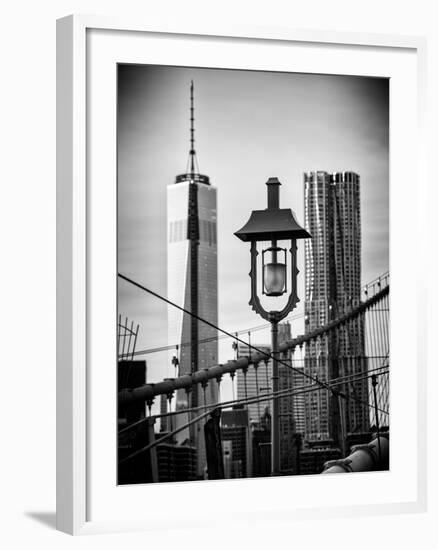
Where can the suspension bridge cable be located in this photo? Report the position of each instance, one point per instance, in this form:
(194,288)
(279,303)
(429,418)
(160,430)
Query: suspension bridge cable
(262,352)
(267,397)
(266,354)
(256,399)
(251,329)
(214,338)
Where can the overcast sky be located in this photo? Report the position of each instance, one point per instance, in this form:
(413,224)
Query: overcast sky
(249,126)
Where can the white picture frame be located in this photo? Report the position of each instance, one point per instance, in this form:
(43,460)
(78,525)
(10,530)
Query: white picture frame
(76,392)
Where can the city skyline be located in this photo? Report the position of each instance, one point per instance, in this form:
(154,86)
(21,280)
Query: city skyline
(192,252)
(140,229)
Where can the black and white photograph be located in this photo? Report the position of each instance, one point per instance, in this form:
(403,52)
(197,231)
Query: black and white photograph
(252,274)
(219,275)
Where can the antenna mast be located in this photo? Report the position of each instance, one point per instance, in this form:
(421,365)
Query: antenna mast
(192,132)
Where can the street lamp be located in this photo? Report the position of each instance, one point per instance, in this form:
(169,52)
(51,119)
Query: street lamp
(272,225)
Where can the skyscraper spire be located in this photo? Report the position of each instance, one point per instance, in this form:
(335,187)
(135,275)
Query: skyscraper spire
(192,174)
(192,130)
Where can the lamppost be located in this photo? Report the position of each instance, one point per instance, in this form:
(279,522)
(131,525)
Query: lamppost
(272,225)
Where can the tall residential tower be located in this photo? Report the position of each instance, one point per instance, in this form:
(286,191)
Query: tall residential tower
(333,283)
(192,283)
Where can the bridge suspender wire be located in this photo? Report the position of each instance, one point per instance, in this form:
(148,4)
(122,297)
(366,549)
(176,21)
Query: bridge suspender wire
(163,438)
(300,340)
(256,368)
(332,324)
(210,408)
(294,343)
(246,330)
(225,404)
(233,336)
(214,338)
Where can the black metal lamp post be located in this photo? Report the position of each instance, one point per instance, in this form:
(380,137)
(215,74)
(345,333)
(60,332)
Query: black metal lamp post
(272,225)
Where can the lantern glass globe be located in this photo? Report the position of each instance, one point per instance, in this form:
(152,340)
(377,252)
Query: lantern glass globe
(275,278)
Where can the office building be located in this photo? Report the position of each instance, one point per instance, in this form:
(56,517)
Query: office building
(312,460)
(131,374)
(254,382)
(192,284)
(291,407)
(261,446)
(236,442)
(176,462)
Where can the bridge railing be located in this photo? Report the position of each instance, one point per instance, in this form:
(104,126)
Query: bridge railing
(168,387)
(361,340)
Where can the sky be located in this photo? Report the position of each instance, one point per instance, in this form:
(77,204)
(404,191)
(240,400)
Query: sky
(249,126)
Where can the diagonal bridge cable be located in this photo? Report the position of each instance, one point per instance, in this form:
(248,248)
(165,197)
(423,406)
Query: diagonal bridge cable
(214,338)
(267,396)
(267,355)
(250,329)
(212,325)
(207,411)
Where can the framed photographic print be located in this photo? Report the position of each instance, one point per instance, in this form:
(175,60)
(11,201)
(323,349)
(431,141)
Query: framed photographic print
(239,215)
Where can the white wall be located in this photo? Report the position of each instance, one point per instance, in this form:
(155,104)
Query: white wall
(27,217)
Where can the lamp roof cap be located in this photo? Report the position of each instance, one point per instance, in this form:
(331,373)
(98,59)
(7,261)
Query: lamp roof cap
(274,223)
(268,225)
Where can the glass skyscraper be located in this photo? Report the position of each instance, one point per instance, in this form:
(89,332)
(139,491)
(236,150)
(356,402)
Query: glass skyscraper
(192,284)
